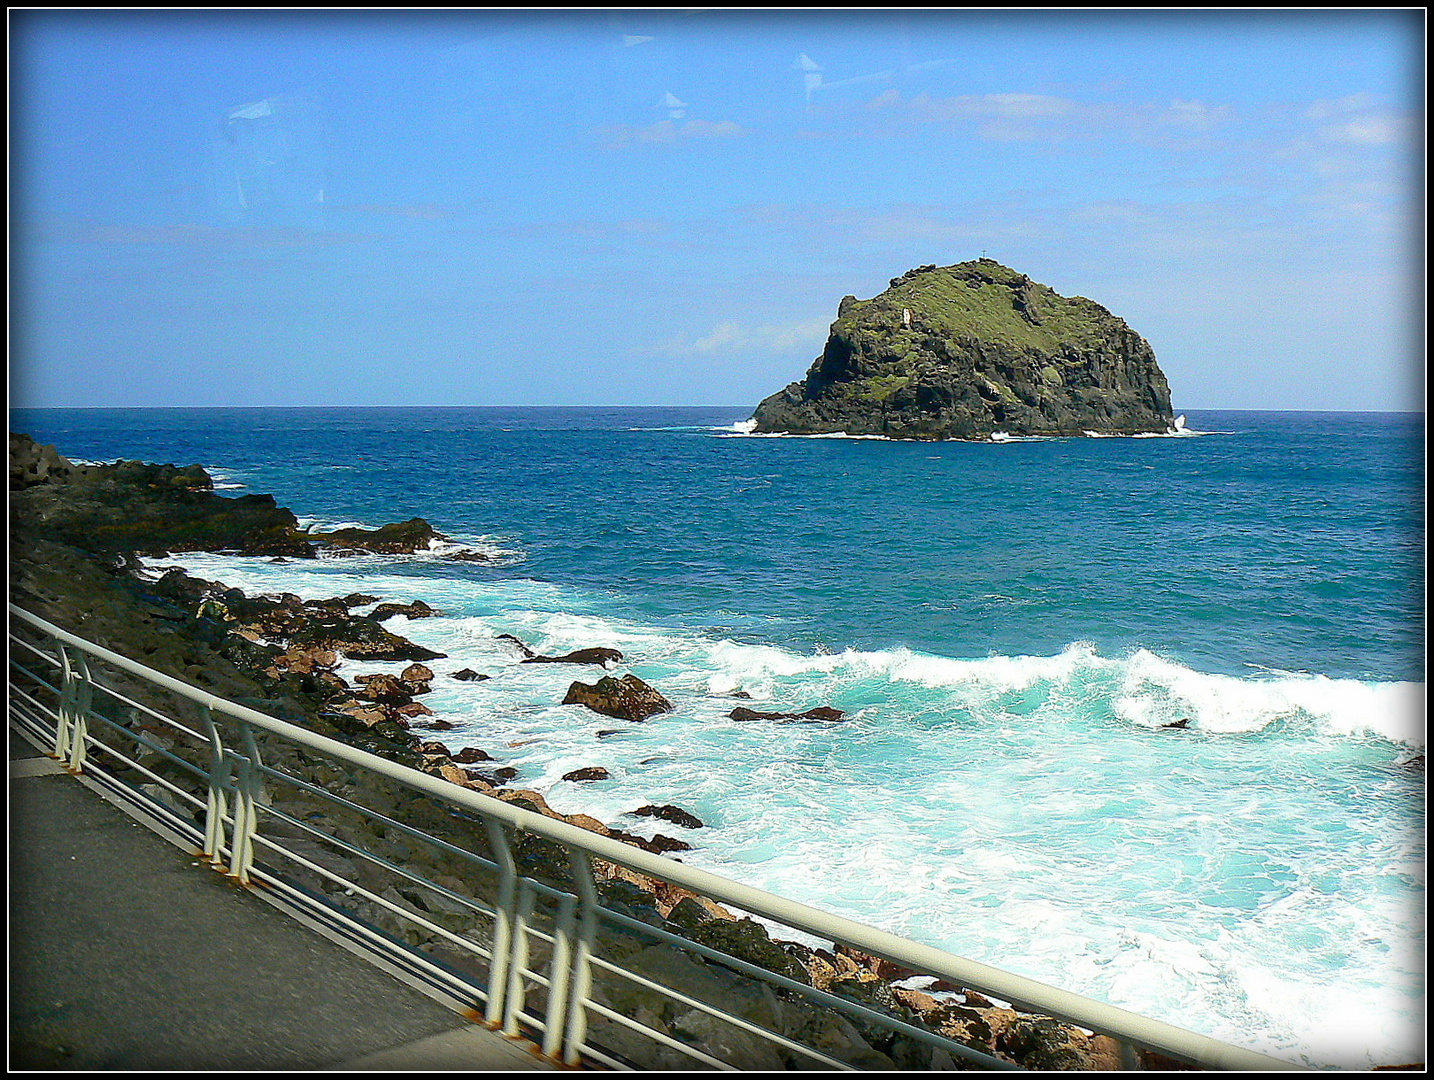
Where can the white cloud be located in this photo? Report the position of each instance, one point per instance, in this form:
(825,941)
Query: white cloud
(668,132)
(1196,114)
(728,339)
(1329,108)
(1364,131)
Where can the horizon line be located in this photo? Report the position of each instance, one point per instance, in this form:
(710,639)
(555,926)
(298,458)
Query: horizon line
(450,407)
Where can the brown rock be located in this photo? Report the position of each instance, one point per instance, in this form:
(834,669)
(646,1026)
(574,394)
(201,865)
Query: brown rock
(384,688)
(628,698)
(454,774)
(915,1000)
(822,713)
(416,673)
(658,845)
(416,610)
(674,814)
(591,824)
(470,754)
(592,772)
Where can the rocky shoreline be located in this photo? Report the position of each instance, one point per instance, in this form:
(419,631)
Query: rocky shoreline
(76,534)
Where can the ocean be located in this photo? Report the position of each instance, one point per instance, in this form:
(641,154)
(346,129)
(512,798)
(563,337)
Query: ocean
(1009,626)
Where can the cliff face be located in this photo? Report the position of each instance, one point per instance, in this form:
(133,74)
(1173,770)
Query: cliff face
(959,352)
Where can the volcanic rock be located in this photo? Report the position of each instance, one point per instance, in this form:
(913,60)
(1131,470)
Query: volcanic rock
(416,610)
(579,656)
(628,698)
(32,463)
(469,675)
(658,845)
(674,814)
(135,506)
(397,538)
(821,713)
(592,772)
(960,352)
(384,689)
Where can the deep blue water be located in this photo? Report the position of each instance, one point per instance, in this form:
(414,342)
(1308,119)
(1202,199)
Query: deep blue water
(1294,542)
(1008,626)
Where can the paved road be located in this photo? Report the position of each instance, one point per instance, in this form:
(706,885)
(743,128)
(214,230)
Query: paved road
(125,953)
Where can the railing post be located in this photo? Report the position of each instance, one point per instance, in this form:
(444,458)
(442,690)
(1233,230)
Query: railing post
(1129,1056)
(65,709)
(79,696)
(502,921)
(576,1026)
(559,977)
(514,995)
(246,816)
(220,778)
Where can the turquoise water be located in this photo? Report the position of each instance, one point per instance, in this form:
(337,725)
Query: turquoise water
(1009,625)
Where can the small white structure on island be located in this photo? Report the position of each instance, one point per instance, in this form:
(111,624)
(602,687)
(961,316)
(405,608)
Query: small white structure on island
(906,316)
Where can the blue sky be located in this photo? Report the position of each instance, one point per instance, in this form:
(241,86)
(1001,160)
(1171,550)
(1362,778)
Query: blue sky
(665,207)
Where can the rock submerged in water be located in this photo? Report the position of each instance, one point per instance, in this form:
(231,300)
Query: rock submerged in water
(963,351)
(579,656)
(397,538)
(588,774)
(674,814)
(598,655)
(821,714)
(627,698)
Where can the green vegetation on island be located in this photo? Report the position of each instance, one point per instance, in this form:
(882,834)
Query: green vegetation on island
(960,352)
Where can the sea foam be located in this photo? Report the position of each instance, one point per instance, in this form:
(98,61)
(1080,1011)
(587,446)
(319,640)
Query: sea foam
(1247,876)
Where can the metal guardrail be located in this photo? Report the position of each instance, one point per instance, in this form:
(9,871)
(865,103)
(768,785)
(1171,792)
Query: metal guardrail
(494,932)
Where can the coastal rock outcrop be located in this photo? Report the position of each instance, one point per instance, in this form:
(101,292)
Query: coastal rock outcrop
(821,714)
(963,351)
(397,538)
(627,698)
(141,507)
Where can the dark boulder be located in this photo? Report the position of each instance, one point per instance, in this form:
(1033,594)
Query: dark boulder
(417,678)
(579,656)
(674,814)
(33,463)
(416,610)
(628,698)
(397,538)
(383,688)
(135,506)
(592,772)
(469,675)
(511,640)
(822,713)
(658,845)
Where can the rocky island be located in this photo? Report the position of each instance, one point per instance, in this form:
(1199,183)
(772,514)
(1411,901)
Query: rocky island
(964,351)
